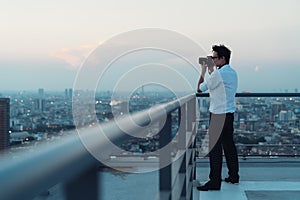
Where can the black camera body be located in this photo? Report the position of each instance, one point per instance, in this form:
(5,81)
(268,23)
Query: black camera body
(207,60)
(203,59)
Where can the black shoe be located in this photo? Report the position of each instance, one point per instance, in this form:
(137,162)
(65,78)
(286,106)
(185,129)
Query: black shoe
(209,186)
(232,180)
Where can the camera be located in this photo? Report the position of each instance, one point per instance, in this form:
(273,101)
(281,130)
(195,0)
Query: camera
(207,60)
(202,59)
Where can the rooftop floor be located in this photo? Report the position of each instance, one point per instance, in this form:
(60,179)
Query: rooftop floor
(260,178)
(273,179)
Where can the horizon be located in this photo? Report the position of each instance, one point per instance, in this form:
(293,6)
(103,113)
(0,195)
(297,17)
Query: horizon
(35,91)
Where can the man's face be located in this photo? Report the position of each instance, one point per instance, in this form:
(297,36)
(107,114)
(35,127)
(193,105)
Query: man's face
(219,62)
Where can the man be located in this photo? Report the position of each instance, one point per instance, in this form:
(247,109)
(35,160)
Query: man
(221,82)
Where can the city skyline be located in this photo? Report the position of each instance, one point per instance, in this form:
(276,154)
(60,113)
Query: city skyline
(44,43)
(260,122)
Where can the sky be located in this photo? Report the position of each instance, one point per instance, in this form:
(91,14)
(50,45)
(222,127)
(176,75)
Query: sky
(44,43)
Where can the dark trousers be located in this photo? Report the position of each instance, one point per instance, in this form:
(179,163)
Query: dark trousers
(221,136)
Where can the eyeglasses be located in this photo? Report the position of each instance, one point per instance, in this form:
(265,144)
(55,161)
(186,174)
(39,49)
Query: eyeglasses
(213,57)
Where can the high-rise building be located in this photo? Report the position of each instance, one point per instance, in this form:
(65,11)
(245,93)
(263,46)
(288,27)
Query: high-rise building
(276,107)
(41,93)
(39,105)
(40,102)
(4,123)
(68,93)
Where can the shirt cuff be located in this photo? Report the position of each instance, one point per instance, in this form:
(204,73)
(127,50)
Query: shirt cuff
(203,87)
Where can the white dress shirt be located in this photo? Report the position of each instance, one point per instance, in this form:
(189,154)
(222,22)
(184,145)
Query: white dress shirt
(222,86)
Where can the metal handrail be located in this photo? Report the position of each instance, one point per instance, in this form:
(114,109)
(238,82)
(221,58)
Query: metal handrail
(68,159)
(263,94)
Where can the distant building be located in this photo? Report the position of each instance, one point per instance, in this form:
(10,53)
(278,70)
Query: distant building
(252,124)
(283,116)
(4,123)
(286,115)
(39,105)
(41,93)
(242,124)
(40,102)
(203,105)
(276,107)
(68,93)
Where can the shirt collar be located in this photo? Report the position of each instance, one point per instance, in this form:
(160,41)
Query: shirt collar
(224,67)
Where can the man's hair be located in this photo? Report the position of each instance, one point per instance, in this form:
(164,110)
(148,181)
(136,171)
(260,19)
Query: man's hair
(222,50)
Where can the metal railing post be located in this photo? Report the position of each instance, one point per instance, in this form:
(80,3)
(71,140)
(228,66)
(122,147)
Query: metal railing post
(165,160)
(191,110)
(182,127)
(83,187)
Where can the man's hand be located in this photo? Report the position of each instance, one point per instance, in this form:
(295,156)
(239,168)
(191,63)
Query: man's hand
(203,68)
(210,65)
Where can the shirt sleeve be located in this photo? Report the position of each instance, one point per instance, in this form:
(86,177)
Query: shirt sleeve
(213,80)
(203,87)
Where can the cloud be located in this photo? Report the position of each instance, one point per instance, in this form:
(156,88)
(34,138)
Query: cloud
(73,57)
(257,68)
